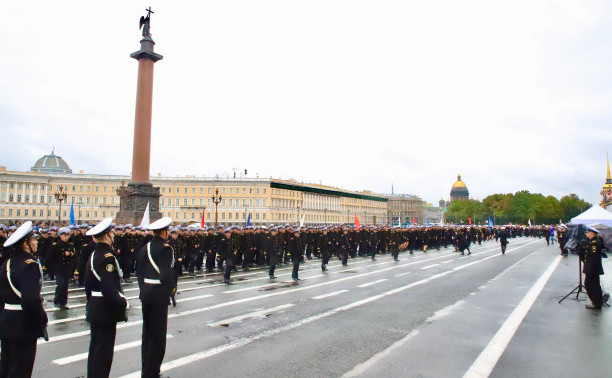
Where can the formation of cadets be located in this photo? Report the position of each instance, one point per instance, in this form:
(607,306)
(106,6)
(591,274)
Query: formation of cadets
(102,257)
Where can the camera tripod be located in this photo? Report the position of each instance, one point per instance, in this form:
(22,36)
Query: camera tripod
(580,288)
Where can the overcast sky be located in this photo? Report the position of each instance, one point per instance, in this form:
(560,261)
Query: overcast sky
(354,94)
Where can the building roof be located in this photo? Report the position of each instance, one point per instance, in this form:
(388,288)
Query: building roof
(51,163)
(459,183)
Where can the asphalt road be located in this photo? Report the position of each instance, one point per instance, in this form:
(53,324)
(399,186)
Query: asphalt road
(434,314)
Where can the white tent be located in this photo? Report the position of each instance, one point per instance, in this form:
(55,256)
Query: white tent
(594,215)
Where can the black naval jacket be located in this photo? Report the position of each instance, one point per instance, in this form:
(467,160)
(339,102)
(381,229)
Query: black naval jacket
(28,322)
(63,265)
(591,256)
(105,300)
(156,287)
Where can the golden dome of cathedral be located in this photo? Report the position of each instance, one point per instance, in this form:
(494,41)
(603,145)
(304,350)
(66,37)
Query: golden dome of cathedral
(459,183)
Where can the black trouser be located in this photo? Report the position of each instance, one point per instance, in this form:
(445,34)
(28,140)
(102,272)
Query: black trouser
(296,267)
(247,259)
(344,255)
(503,247)
(199,260)
(272,268)
(101,348)
(395,255)
(61,289)
(210,261)
(154,328)
(17,358)
(126,266)
(593,289)
(326,255)
(229,266)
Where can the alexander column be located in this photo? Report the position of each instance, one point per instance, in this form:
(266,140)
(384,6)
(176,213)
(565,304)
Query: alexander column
(139,192)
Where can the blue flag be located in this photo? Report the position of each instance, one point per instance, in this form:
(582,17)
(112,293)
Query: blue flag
(427,222)
(490,223)
(72,220)
(249,220)
(383,222)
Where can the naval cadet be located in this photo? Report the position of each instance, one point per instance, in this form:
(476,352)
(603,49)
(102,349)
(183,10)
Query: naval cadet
(64,261)
(22,319)
(157,286)
(295,246)
(106,304)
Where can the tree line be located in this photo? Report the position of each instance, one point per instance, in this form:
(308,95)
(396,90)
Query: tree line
(517,208)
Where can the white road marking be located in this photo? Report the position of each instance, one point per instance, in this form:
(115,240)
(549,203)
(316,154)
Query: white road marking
(372,283)
(238,301)
(447,261)
(272,332)
(330,294)
(402,274)
(83,356)
(486,361)
(361,368)
(429,266)
(254,314)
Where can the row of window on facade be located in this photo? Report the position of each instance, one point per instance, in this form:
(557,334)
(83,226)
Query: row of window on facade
(81,188)
(81,200)
(40,213)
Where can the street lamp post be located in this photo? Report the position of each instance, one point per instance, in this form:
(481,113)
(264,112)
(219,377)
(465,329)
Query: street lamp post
(60,196)
(298,215)
(216,199)
(80,203)
(246,214)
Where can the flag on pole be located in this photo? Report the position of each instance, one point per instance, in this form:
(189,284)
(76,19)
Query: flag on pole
(249,220)
(427,222)
(490,223)
(470,220)
(529,222)
(302,220)
(203,222)
(145,218)
(72,221)
(414,221)
(357,221)
(399,221)
(383,221)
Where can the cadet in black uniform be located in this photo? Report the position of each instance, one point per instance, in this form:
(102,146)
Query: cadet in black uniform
(63,255)
(503,239)
(106,304)
(296,248)
(22,319)
(272,249)
(591,256)
(157,285)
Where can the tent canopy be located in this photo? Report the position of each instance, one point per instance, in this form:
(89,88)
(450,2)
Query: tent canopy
(594,215)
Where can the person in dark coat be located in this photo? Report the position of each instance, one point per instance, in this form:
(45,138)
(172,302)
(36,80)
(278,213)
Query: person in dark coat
(503,239)
(156,280)
(591,255)
(295,246)
(106,303)
(22,319)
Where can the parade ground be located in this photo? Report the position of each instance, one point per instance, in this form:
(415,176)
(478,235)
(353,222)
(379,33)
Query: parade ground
(434,314)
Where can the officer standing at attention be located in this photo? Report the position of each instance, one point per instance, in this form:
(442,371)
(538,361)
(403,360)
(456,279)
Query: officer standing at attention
(296,248)
(157,285)
(591,255)
(106,304)
(22,319)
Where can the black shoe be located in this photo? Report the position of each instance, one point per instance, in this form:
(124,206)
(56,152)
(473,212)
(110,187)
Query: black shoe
(469,253)
(323,268)
(605,297)
(227,282)
(272,277)
(64,307)
(396,260)
(592,307)
(373,259)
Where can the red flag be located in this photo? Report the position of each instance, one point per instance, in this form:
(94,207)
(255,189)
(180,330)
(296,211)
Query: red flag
(203,218)
(470,220)
(356,221)
(414,221)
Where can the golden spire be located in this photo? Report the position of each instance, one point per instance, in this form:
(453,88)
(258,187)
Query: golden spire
(608,178)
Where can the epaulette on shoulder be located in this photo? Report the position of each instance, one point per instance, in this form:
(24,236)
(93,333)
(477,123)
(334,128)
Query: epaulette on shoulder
(166,245)
(30,261)
(109,255)
(54,243)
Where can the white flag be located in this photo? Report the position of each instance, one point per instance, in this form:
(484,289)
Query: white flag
(302,220)
(529,222)
(145,218)
(399,219)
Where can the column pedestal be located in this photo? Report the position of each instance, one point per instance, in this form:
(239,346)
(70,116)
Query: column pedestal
(133,202)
